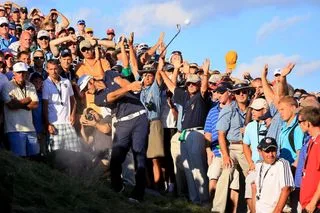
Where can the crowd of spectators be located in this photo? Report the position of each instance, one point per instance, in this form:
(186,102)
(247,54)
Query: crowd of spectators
(155,120)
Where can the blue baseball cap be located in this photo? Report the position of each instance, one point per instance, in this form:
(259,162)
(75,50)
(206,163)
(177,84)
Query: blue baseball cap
(27,25)
(12,26)
(82,22)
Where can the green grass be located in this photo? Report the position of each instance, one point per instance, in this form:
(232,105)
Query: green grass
(36,188)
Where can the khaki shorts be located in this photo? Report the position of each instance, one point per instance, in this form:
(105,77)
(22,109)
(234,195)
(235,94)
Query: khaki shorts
(215,169)
(155,140)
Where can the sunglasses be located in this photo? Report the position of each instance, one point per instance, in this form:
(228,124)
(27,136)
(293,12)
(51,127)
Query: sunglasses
(43,38)
(213,84)
(38,57)
(4,25)
(51,30)
(30,28)
(300,121)
(90,32)
(238,92)
(85,49)
(191,83)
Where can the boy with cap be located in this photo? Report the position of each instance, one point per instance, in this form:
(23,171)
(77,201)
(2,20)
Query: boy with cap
(274,179)
(20,98)
(255,131)
(43,39)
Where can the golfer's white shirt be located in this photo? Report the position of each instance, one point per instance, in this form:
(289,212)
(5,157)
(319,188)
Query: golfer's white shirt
(270,179)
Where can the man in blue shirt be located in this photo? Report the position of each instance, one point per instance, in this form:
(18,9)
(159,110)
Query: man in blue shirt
(131,124)
(211,135)
(230,130)
(5,38)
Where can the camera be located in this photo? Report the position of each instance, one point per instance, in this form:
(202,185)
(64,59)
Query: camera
(150,106)
(89,116)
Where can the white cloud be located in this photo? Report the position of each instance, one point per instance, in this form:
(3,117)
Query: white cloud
(255,66)
(142,17)
(277,24)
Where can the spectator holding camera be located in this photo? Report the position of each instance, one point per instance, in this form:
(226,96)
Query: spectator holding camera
(150,98)
(96,130)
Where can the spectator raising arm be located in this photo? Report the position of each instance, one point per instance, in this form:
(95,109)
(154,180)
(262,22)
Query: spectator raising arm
(204,80)
(171,86)
(132,56)
(283,86)
(54,44)
(268,92)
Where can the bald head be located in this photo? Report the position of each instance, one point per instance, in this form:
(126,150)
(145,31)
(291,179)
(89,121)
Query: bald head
(25,40)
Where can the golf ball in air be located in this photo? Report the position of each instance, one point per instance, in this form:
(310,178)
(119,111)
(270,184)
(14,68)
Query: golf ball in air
(187,21)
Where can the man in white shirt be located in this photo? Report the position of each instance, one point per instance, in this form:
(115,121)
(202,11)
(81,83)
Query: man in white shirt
(274,179)
(20,98)
(59,107)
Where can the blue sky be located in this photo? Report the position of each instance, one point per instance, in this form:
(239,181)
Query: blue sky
(261,31)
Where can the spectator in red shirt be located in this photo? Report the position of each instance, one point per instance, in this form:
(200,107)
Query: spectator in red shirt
(309,120)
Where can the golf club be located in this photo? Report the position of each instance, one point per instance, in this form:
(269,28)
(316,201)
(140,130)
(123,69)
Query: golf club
(179,30)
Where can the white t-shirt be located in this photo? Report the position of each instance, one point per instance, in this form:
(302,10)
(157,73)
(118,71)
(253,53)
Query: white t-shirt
(18,120)
(58,96)
(278,176)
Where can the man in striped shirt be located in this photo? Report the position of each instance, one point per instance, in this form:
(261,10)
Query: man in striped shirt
(211,135)
(274,179)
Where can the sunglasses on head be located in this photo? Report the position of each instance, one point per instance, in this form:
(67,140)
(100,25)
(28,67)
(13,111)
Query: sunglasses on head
(38,57)
(176,52)
(43,38)
(4,25)
(85,49)
(238,92)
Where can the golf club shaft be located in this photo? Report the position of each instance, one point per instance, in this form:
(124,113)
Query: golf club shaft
(179,30)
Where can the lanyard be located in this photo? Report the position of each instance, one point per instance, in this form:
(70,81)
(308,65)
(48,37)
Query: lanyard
(59,91)
(261,181)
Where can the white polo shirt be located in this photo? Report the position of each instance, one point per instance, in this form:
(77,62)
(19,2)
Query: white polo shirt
(18,120)
(270,179)
(58,96)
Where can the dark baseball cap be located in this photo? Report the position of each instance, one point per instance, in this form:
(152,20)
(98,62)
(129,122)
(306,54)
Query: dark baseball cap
(223,87)
(65,52)
(267,143)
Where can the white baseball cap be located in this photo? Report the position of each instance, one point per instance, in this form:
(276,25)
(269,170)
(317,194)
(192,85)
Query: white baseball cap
(4,20)
(277,72)
(20,67)
(259,103)
(43,33)
(83,81)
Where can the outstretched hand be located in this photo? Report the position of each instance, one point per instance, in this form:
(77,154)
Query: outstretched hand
(265,70)
(287,70)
